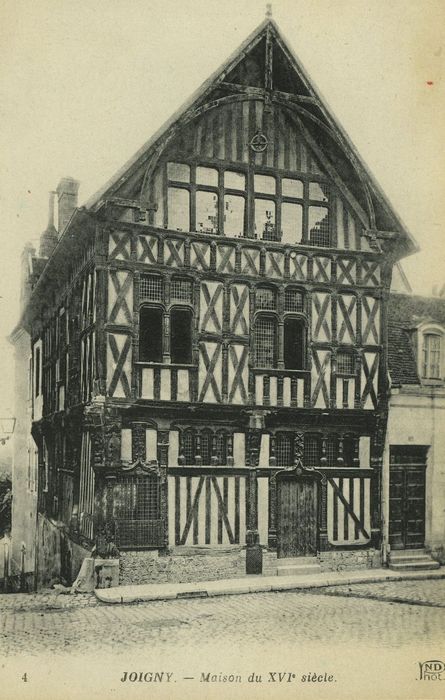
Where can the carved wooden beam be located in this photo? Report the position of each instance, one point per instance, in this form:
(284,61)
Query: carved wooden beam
(236,88)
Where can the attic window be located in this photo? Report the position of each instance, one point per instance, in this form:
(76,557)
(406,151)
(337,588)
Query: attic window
(206,212)
(318,192)
(292,188)
(265,219)
(319,226)
(234,180)
(178,209)
(271,207)
(234,206)
(178,171)
(431,356)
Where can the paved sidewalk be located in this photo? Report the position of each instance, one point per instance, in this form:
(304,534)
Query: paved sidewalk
(257,584)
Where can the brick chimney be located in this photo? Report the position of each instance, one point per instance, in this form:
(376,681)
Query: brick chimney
(67,190)
(48,239)
(26,258)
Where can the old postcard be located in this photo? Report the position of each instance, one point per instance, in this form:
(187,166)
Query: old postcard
(222,299)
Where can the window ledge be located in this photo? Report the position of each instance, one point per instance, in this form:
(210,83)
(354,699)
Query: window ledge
(276,370)
(432,382)
(165,365)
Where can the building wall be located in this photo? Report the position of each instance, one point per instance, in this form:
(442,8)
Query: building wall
(58,558)
(24,486)
(416,417)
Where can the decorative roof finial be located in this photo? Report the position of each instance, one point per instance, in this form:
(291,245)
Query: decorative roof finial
(269,10)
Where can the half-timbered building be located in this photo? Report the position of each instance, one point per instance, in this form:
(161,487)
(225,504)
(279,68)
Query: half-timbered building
(209,337)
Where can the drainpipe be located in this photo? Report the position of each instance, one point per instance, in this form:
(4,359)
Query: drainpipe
(385,502)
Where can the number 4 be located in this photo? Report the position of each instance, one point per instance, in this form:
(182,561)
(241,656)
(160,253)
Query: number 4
(25,678)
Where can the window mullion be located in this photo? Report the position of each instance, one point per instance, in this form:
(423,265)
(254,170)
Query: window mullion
(221,199)
(193,189)
(280,340)
(250,208)
(305,235)
(278,200)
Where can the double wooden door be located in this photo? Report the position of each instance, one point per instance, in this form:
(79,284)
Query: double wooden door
(407,497)
(296,516)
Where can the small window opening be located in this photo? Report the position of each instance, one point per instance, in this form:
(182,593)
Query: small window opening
(37,371)
(431,356)
(265,298)
(181,290)
(293,300)
(150,335)
(181,336)
(151,287)
(265,342)
(293,343)
(345,363)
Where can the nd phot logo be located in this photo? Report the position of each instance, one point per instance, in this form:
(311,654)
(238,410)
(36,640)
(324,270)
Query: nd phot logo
(432,670)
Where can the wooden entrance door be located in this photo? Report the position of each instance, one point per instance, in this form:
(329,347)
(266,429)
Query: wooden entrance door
(297,517)
(407,497)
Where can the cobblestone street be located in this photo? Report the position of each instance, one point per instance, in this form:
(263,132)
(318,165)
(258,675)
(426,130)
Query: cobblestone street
(263,645)
(338,615)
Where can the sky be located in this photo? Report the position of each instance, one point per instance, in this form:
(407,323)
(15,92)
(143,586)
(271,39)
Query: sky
(84,84)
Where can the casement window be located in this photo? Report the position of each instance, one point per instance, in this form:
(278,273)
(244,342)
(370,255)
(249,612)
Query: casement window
(137,511)
(150,334)
(233,223)
(151,320)
(293,300)
(294,335)
(181,336)
(29,396)
(188,446)
(181,290)
(292,192)
(293,329)
(312,450)
(151,288)
(207,198)
(37,372)
(346,364)
(334,448)
(284,449)
(265,338)
(206,444)
(431,356)
(248,203)
(265,299)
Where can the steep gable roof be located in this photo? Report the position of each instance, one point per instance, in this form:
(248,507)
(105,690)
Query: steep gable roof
(264,64)
(405,313)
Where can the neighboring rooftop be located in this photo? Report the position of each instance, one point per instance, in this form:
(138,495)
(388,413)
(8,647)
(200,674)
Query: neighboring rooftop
(405,313)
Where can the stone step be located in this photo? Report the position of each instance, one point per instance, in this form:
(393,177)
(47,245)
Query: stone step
(412,553)
(409,560)
(298,569)
(414,565)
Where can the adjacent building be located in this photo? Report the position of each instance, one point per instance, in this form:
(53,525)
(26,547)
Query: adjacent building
(413,490)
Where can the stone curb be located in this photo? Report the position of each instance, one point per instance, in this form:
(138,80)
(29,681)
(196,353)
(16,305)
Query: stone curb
(204,589)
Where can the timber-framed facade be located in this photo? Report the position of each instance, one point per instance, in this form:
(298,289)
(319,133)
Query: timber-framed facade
(209,334)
